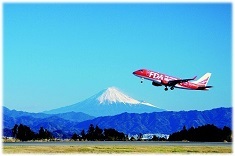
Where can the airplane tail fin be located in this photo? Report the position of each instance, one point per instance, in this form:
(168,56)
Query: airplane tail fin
(204,79)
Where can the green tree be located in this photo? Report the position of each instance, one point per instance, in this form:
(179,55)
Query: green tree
(83,135)
(41,133)
(91,133)
(48,134)
(155,138)
(206,133)
(44,134)
(15,131)
(98,134)
(110,134)
(184,133)
(227,134)
(113,135)
(23,133)
(75,137)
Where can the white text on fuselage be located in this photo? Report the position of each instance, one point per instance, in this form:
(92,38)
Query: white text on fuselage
(159,76)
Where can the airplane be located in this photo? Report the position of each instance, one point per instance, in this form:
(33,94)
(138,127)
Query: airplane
(159,79)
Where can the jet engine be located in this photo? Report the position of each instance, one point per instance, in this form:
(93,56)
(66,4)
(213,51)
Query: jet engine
(156,84)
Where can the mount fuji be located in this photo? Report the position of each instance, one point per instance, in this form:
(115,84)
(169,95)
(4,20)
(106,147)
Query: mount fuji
(108,102)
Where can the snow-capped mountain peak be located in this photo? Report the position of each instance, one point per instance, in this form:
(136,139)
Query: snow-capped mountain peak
(113,95)
(108,102)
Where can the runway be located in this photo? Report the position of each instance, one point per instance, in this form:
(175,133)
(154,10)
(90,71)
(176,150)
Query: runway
(118,143)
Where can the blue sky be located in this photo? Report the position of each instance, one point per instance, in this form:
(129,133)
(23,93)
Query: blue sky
(56,55)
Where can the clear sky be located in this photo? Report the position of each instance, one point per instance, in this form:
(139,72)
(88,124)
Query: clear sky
(60,54)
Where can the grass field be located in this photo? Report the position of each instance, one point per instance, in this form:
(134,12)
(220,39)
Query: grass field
(114,149)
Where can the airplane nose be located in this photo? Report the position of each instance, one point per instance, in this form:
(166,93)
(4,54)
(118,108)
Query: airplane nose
(133,73)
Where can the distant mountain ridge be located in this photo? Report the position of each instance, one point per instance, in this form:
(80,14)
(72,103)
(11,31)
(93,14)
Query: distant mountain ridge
(12,117)
(165,122)
(107,103)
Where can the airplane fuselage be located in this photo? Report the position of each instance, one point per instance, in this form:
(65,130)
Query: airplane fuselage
(160,79)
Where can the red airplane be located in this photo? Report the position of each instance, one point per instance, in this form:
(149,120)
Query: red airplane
(159,79)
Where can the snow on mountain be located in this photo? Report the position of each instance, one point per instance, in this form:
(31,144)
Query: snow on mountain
(113,95)
(107,103)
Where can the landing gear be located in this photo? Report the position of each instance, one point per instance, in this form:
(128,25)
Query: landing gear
(166,89)
(141,80)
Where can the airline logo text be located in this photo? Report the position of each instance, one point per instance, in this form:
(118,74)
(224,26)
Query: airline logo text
(159,76)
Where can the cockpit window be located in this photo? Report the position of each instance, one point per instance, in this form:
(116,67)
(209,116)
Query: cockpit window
(141,71)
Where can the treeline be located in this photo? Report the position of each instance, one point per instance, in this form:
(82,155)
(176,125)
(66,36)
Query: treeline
(98,134)
(24,133)
(207,133)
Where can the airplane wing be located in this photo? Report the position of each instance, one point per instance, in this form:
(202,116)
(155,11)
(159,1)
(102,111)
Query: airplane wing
(174,82)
